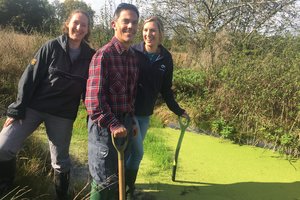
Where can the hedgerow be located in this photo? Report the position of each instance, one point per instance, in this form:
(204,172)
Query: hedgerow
(255,95)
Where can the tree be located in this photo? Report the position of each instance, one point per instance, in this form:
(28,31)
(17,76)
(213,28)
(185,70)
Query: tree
(103,32)
(26,15)
(203,20)
(63,9)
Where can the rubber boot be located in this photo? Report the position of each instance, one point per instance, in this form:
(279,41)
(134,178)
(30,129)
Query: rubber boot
(130,178)
(61,182)
(99,193)
(7,175)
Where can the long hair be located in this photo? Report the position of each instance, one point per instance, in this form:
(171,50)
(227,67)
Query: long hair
(65,28)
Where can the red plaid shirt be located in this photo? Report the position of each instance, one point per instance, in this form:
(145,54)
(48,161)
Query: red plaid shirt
(111,86)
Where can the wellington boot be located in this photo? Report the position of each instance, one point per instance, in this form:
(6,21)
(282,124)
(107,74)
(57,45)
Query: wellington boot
(99,193)
(7,175)
(61,182)
(130,176)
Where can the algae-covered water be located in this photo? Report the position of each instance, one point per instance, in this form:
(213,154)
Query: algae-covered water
(211,168)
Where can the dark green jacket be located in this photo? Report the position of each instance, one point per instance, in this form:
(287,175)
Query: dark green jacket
(51,83)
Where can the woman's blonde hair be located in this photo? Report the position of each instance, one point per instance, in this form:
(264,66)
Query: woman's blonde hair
(65,28)
(159,24)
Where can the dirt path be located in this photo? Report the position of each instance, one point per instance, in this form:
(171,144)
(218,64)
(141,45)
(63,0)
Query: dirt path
(214,169)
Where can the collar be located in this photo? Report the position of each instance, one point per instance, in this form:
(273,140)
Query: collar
(141,48)
(63,41)
(120,47)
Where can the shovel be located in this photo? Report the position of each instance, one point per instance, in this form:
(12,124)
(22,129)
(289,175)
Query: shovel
(183,125)
(121,169)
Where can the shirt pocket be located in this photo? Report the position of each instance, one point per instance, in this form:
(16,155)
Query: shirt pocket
(117,84)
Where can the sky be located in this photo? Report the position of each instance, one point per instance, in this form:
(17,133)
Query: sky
(95,4)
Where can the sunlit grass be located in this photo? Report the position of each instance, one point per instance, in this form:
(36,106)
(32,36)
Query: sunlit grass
(156,149)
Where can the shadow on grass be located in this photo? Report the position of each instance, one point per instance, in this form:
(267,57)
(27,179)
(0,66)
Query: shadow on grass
(235,191)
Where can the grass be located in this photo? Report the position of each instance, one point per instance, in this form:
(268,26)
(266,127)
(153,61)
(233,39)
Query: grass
(79,186)
(157,151)
(80,135)
(34,174)
(208,168)
(34,178)
(16,51)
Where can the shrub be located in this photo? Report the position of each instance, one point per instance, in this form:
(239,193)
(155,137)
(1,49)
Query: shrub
(189,83)
(256,92)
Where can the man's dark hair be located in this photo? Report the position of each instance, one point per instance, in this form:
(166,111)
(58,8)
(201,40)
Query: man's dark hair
(125,6)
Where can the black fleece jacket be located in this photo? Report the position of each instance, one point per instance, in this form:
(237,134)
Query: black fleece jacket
(155,78)
(51,83)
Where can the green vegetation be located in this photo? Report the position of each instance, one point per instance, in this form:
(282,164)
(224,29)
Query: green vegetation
(158,152)
(236,75)
(216,169)
(16,51)
(252,99)
(34,173)
(208,168)
(29,16)
(189,83)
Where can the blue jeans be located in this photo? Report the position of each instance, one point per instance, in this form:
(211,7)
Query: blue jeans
(59,132)
(137,148)
(102,156)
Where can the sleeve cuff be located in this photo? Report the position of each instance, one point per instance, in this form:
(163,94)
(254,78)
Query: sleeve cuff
(115,126)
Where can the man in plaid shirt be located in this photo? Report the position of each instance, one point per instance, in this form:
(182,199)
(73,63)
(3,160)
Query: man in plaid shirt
(110,96)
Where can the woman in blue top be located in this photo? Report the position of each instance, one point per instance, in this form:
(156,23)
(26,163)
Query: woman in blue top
(156,74)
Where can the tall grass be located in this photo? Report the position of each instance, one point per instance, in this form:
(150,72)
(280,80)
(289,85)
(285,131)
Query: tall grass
(34,177)
(33,164)
(16,51)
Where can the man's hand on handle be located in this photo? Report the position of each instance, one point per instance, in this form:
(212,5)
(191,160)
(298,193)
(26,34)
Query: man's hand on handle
(120,132)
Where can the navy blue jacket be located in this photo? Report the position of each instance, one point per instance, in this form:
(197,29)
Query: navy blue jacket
(51,83)
(154,78)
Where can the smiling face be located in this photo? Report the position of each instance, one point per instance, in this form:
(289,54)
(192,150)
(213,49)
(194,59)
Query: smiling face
(151,35)
(126,27)
(78,27)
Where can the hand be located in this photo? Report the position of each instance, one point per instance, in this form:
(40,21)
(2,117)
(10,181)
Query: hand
(8,122)
(120,132)
(185,115)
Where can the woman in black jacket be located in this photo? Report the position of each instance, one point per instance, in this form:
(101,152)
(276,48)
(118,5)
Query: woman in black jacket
(156,74)
(49,92)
